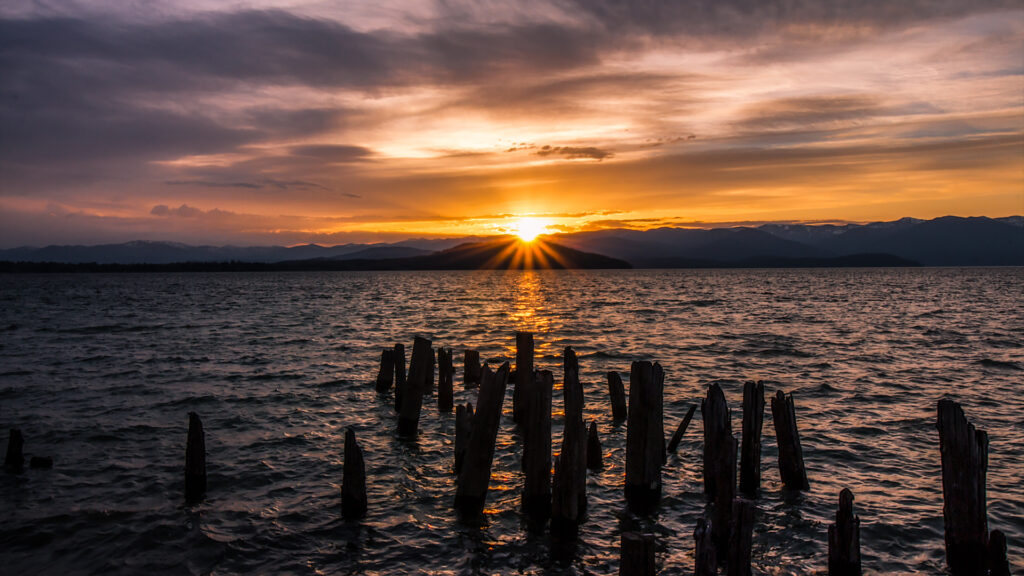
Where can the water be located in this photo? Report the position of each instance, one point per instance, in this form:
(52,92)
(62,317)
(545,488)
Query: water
(99,371)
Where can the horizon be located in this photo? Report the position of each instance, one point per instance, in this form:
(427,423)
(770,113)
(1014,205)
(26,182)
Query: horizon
(285,123)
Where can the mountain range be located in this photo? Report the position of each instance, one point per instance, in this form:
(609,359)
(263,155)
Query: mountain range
(946,241)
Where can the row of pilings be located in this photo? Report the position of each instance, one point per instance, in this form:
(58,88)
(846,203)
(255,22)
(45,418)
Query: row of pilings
(554,489)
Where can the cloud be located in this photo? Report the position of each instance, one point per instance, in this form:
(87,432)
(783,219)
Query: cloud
(574,152)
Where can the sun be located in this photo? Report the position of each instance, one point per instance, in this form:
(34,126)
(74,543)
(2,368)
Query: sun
(528,228)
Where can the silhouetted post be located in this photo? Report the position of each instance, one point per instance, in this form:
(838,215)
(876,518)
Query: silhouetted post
(471,369)
(445,380)
(678,435)
(415,384)
(791,456)
(705,559)
(40,462)
(741,538)
(523,374)
(595,460)
(14,461)
(386,374)
(717,432)
(353,480)
(471,494)
(617,393)
(753,422)
(645,437)
(636,555)
(844,539)
(569,504)
(463,426)
(536,406)
(964,453)
(399,356)
(998,565)
(195,459)
(431,373)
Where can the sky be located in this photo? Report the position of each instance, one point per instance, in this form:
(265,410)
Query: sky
(289,122)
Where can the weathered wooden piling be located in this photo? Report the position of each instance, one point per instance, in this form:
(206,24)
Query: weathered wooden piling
(431,373)
(386,373)
(536,406)
(844,539)
(415,385)
(705,559)
(964,452)
(523,374)
(14,461)
(195,459)
(998,565)
(44,462)
(569,504)
(791,456)
(353,481)
(463,426)
(677,436)
(445,380)
(645,437)
(399,356)
(471,369)
(741,538)
(471,493)
(724,497)
(636,554)
(617,393)
(595,459)
(753,423)
(717,435)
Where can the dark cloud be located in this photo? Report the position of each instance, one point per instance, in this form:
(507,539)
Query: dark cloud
(574,152)
(808,111)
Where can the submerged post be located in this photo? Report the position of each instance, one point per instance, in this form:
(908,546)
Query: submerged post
(524,374)
(741,538)
(415,385)
(844,539)
(636,554)
(705,560)
(471,369)
(353,480)
(386,373)
(753,423)
(791,456)
(678,435)
(463,426)
(536,501)
(445,380)
(195,460)
(964,452)
(14,461)
(595,460)
(399,356)
(471,493)
(645,437)
(617,393)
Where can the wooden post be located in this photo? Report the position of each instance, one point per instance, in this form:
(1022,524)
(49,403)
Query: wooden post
(998,565)
(471,369)
(569,504)
(636,555)
(463,426)
(844,539)
(595,460)
(705,559)
(445,380)
(536,405)
(617,392)
(471,494)
(753,423)
(415,384)
(195,460)
(353,480)
(399,356)
(964,453)
(791,456)
(741,538)
(645,437)
(523,374)
(678,435)
(386,374)
(431,373)
(14,461)
(717,432)
(724,497)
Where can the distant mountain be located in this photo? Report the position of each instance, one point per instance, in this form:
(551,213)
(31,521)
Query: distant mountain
(379,252)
